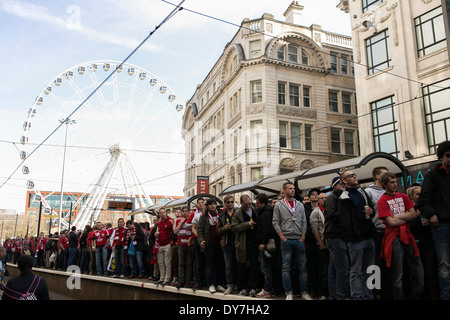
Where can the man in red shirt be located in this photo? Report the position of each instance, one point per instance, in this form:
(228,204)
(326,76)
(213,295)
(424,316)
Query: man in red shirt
(164,256)
(40,249)
(118,248)
(399,246)
(63,250)
(101,237)
(184,249)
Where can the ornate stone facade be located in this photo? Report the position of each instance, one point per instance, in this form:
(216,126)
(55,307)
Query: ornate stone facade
(269,104)
(410,36)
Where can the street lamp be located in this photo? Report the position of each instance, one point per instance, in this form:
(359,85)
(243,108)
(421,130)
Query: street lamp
(66,122)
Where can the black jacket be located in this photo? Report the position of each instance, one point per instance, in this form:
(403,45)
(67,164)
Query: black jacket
(309,238)
(434,197)
(265,230)
(354,228)
(331,214)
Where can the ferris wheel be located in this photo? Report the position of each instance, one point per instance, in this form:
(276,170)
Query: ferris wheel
(104,146)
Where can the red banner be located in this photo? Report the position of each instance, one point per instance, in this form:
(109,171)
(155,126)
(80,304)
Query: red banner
(202,184)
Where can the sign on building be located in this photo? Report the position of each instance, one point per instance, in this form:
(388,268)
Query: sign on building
(202,184)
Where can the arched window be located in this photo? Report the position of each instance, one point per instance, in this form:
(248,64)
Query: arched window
(305,59)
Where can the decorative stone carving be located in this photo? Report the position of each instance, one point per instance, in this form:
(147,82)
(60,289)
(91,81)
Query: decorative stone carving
(297,112)
(318,37)
(287,163)
(306,164)
(256,109)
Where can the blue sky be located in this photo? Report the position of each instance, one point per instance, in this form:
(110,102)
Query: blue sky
(42,39)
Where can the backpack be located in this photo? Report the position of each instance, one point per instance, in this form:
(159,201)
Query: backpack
(29,295)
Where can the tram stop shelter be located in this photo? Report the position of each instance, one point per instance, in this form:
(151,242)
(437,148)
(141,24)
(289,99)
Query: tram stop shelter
(176,204)
(321,177)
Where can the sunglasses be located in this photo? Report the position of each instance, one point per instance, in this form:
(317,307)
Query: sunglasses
(230,201)
(447,155)
(351,175)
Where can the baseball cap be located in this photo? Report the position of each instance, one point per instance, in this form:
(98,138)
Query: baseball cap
(335,181)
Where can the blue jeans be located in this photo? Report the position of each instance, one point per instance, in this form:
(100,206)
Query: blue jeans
(136,263)
(362,255)
(404,253)
(119,253)
(229,255)
(338,269)
(72,256)
(294,248)
(101,260)
(441,238)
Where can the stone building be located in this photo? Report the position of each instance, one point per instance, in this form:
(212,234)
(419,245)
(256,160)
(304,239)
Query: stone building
(280,98)
(402,77)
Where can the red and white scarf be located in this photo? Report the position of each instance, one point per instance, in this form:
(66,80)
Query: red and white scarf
(213,220)
(291,209)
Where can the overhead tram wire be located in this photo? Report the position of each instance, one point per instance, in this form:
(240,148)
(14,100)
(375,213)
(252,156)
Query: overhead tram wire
(302,46)
(167,18)
(98,148)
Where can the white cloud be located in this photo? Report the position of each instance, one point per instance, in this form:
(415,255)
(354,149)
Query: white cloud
(72,23)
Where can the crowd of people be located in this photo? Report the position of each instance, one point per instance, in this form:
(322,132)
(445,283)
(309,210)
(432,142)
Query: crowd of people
(322,247)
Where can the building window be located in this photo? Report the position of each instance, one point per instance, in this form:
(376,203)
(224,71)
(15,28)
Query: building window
(436,99)
(333,101)
(349,142)
(335,140)
(257,173)
(281,93)
(377,48)
(256,134)
(280,53)
(333,62)
(368,5)
(305,59)
(430,32)
(255,49)
(308,137)
(344,64)
(346,103)
(294,95)
(283,134)
(296,138)
(292,54)
(384,122)
(306,97)
(292,136)
(256,91)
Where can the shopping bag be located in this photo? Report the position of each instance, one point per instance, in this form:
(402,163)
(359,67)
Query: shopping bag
(112,262)
(131,249)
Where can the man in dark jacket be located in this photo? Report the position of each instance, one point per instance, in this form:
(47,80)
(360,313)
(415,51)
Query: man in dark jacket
(434,204)
(355,213)
(338,269)
(269,258)
(243,225)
